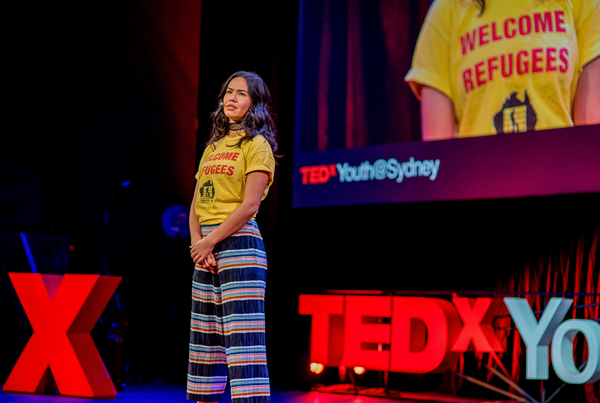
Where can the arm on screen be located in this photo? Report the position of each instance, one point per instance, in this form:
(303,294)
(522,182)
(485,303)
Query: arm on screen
(586,106)
(437,115)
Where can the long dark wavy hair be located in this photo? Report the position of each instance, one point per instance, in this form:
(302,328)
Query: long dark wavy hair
(258,120)
(481,5)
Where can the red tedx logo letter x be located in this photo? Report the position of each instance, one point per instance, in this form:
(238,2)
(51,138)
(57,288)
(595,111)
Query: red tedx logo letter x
(477,316)
(62,311)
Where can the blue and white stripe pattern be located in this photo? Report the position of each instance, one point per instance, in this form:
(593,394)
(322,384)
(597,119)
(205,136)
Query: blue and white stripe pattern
(227,335)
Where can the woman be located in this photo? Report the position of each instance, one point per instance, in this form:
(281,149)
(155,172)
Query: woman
(228,289)
(489,67)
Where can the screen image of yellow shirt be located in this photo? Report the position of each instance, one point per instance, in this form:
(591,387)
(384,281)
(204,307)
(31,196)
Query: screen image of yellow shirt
(222,175)
(513,67)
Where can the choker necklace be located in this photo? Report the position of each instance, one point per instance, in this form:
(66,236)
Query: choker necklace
(235,127)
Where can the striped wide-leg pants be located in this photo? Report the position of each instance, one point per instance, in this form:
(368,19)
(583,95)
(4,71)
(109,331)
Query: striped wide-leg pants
(227,334)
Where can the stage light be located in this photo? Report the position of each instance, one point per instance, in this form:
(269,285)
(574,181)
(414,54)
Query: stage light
(316,368)
(175,221)
(359,370)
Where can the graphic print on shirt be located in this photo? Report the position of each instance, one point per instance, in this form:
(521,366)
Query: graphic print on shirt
(515,115)
(207,192)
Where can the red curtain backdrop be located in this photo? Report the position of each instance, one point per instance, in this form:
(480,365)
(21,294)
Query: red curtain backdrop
(365,50)
(170,41)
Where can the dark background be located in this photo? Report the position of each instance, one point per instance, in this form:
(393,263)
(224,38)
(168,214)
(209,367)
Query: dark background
(88,108)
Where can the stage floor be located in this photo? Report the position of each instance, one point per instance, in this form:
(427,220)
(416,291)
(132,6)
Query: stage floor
(166,393)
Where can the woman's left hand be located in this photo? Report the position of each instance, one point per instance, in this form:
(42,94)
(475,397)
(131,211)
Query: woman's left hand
(201,251)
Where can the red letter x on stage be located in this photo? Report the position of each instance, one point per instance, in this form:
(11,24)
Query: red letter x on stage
(62,311)
(477,327)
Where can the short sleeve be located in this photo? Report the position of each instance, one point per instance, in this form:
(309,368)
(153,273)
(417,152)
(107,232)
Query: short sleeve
(259,157)
(202,160)
(588,31)
(431,60)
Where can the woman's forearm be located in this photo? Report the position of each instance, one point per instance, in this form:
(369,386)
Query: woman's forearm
(586,105)
(437,115)
(195,231)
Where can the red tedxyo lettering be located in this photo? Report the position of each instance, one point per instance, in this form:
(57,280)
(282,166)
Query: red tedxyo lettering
(420,335)
(423,335)
(317,174)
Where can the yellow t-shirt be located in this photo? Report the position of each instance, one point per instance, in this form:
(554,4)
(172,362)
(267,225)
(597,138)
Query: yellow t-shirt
(222,175)
(512,69)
